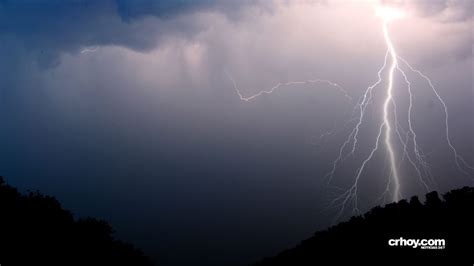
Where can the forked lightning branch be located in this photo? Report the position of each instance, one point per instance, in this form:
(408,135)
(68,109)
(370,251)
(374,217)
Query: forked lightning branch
(390,135)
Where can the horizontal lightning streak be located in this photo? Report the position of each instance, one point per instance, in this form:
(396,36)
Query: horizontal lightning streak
(290,83)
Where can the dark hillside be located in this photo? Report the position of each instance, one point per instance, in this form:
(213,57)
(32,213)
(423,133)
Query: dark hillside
(35,230)
(366,239)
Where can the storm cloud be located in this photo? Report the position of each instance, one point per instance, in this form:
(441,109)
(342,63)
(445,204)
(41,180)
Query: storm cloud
(49,28)
(146,130)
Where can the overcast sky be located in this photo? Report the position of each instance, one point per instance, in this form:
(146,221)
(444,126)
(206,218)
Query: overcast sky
(124,110)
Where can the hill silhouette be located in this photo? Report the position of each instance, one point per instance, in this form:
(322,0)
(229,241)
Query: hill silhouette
(35,230)
(365,239)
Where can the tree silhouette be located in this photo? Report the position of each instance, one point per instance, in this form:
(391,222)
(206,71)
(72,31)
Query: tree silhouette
(365,239)
(35,230)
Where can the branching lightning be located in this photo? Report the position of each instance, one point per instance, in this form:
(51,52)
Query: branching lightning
(389,131)
(286,84)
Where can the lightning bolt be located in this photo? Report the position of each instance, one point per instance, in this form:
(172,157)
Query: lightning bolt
(461,163)
(386,121)
(389,127)
(390,131)
(285,84)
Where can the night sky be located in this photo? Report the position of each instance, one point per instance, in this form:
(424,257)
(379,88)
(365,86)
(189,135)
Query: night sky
(124,110)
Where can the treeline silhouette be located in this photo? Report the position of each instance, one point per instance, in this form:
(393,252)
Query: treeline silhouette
(35,230)
(364,240)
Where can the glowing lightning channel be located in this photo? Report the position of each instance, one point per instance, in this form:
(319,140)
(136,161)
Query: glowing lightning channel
(386,120)
(389,130)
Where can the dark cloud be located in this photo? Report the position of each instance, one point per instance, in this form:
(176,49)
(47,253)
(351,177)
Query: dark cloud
(47,28)
(130,10)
